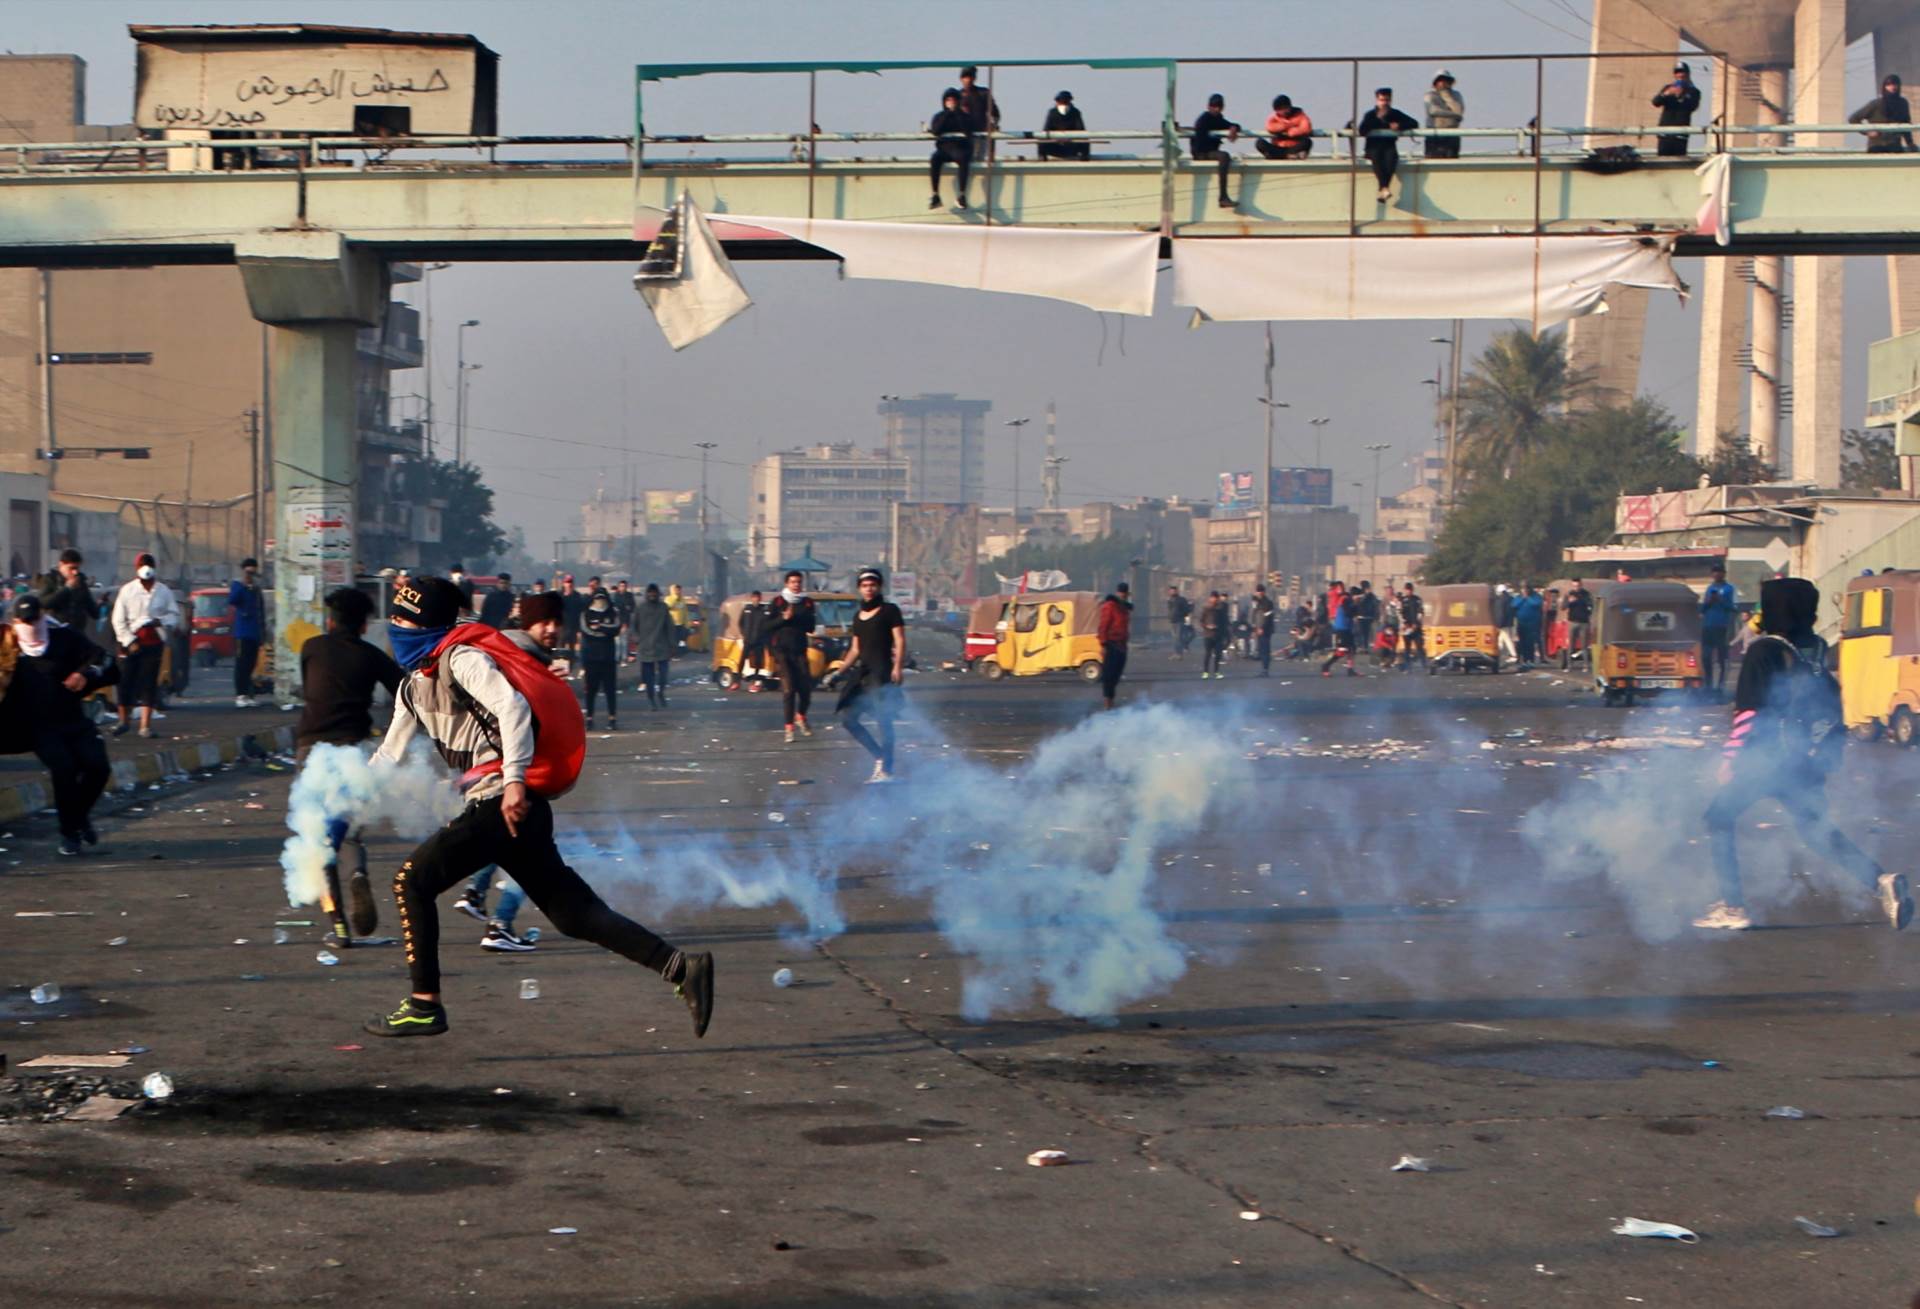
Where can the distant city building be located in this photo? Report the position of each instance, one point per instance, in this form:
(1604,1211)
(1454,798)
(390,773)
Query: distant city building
(1405,525)
(943,439)
(837,498)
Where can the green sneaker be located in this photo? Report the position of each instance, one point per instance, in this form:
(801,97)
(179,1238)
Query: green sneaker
(696,988)
(412,1018)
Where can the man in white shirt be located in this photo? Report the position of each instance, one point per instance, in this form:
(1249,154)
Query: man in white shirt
(145,614)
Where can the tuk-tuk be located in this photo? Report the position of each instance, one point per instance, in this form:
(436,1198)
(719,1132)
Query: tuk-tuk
(1460,628)
(1646,639)
(1879,666)
(1045,631)
(986,622)
(834,615)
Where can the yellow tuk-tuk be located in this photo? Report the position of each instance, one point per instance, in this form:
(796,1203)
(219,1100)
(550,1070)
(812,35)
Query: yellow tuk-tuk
(1880,656)
(834,614)
(1045,631)
(1460,629)
(1646,639)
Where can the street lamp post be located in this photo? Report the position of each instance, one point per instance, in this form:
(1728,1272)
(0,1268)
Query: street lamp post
(706,560)
(1378,449)
(1319,426)
(459,391)
(1269,404)
(1016,424)
(1449,480)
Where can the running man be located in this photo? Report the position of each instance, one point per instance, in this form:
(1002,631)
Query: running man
(518,739)
(57,669)
(339,673)
(1786,738)
(1340,623)
(876,664)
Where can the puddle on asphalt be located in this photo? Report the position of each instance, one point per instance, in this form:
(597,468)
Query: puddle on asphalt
(394,1177)
(1573,1061)
(270,1110)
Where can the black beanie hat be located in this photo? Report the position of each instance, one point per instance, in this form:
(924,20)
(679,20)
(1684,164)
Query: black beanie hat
(428,601)
(547,607)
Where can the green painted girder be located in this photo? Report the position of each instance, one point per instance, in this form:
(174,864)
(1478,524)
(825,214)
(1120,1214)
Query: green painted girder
(1827,203)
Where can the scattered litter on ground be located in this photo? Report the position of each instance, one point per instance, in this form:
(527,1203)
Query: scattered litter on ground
(1812,1228)
(529,988)
(106,1108)
(1412,1164)
(783,977)
(1250,1215)
(1786,1111)
(115,1060)
(349,1047)
(1666,1231)
(1047,1158)
(156,1086)
(563,1231)
(118,940)
(45,993)
(54,913)
(326,959)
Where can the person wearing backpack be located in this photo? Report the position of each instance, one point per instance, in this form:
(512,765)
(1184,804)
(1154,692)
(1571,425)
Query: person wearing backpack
(515,735)
(1786,738)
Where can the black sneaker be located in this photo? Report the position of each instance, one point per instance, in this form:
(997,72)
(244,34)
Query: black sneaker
(696,988)
(412,1018)
(119,729)
(362,913)
(88,835)
(500,937)
(69,845)
(472,907)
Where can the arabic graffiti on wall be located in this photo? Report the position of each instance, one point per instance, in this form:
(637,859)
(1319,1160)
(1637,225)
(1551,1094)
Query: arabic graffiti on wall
(303,89)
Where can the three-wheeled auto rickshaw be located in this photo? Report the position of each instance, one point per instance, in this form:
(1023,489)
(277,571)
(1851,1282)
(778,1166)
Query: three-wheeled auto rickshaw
(1045,631)
(833,616)
(1646,639)
(986,622)
(1879,664)
(1460,628)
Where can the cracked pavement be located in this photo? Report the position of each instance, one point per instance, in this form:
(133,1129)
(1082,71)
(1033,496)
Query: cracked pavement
(852,1140)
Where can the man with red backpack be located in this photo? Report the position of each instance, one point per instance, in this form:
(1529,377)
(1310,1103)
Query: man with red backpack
(515,735)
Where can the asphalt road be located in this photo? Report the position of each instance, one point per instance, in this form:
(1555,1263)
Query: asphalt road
(1388,941)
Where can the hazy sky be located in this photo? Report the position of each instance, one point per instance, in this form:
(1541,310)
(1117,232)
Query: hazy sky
(569,354)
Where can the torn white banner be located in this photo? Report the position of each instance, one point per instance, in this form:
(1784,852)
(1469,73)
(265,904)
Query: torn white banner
(1544,280)
(687,279)
(1110,271)
(1714,218)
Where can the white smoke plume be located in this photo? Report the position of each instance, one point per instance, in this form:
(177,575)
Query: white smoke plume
(341,782)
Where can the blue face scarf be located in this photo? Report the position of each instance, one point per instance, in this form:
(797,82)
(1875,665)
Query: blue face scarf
(411,645)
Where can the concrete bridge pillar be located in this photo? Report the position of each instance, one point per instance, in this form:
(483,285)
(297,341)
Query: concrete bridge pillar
(1607,346)
(1820,66)
(315,293)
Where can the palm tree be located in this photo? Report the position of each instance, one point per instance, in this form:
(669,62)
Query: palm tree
(1519,388)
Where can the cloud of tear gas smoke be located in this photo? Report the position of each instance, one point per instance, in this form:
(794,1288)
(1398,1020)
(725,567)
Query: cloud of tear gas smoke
(1045,878)
(676,868)
(340,782)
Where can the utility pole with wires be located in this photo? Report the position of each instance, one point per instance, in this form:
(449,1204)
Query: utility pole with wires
(253,444)
(706,558)
(1050,471)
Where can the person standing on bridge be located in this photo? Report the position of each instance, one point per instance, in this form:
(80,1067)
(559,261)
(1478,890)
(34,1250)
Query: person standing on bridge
(1890,106)
(1206,144)
(1064,117)
(1676,102)
(1447,109)
(952,144)
(1289,131)
(1380,129)
(981,109)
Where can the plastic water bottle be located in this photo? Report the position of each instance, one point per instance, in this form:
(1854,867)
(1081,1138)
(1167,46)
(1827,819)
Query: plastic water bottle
(46,993)
(529,988)
(326,958)
(531,935)
(156,1086)
(783,978)
(280,936)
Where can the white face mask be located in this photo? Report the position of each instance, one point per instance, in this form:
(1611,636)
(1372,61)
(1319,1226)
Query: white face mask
(32,637)
(144,572)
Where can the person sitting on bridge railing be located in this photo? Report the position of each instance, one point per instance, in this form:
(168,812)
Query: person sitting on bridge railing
(953,142)
(1677,101)
(1289,131)
(1206,140)
(1890,106)
(1446,108)
(1064,117)
(1383,152)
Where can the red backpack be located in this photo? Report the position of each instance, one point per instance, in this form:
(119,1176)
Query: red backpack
(559,728)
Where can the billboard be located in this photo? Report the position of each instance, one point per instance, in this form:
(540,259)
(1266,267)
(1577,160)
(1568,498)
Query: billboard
(1291,486)
(939,543)
(673,507)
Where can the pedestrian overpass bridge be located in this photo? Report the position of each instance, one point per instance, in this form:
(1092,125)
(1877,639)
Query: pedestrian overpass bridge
(313,221)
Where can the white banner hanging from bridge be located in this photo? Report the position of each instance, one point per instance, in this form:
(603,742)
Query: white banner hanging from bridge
(1542,280)
(687,279)
(1109,271)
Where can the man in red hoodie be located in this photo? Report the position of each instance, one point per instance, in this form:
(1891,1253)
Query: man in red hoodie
(1289,131)
(1116,627)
